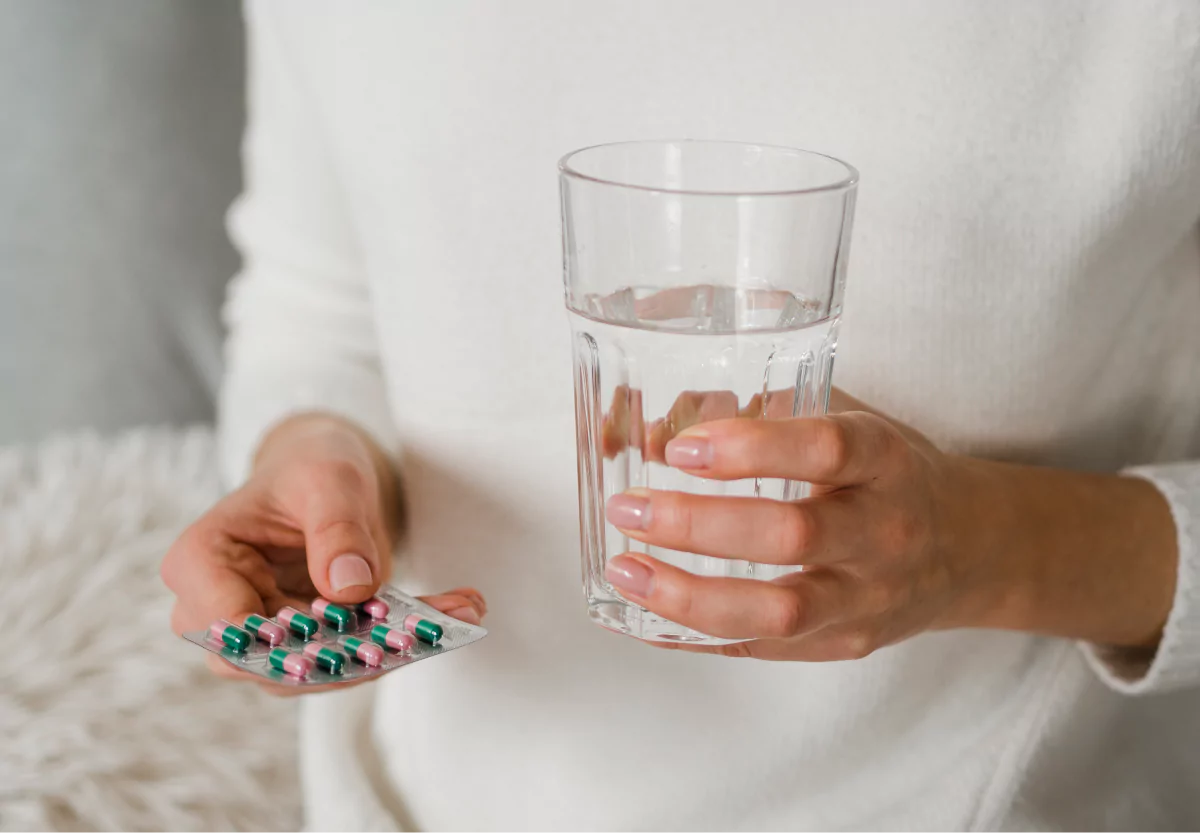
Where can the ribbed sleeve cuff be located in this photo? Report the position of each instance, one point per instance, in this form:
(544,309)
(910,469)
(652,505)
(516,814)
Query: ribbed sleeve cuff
(249,411)
(1176,662)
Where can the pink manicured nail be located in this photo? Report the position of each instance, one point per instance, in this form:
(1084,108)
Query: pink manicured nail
(628,511)
(630,576)
(689,453)
(349,571)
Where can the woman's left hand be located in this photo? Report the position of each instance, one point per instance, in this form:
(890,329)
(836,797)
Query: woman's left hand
(896,538)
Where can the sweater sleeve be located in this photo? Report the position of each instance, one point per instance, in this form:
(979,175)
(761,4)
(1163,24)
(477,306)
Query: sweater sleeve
(1175,663)
(301,332)
(301,337)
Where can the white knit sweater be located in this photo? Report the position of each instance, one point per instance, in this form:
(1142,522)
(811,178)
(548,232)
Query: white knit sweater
(1024,283)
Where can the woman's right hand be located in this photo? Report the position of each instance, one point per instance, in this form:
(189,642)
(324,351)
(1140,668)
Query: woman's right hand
(316,518)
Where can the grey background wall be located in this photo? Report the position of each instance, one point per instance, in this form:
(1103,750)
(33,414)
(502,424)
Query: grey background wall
(119,129)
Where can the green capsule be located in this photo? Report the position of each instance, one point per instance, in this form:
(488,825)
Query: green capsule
(231,636)
(284,660)
(336,615)
(394,639)
(423,629)
(265,630)
(326,659)
(364,652)
(299,623)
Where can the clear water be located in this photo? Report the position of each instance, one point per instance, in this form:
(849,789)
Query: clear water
(650,363)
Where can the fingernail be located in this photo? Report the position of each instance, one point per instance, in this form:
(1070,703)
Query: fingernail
(628,511)
(689,453)
(349,571)
(630,576)
(467,614)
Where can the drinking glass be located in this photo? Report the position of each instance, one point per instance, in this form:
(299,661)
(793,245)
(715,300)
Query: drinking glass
(704,281)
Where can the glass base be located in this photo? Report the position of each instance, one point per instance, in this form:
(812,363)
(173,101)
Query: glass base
(631,620)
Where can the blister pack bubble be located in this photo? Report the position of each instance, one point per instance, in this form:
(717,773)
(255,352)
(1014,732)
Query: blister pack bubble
(326,644)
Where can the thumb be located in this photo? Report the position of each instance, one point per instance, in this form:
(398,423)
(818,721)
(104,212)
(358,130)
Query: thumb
(343,555)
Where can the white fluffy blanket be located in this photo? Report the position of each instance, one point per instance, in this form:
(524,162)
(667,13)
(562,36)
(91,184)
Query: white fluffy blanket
(107,720)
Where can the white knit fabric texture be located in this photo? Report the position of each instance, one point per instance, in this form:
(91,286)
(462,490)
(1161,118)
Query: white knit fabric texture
(1176,662)
(1022,286)
(107,720)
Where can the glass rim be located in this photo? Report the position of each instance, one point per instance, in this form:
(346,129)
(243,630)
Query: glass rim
(848,181)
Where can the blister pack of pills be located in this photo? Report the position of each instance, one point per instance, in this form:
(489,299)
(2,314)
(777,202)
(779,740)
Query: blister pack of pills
(329,643)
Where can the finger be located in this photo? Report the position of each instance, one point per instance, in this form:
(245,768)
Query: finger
(840,401)
(658,434)
(456,598)
(476,597)
(779,404)
(458,606)
(819,530)
(729,608)
(689,408)
(214,578)
(836,450)
(337,506)
(465,613)
(694,407)
(621,426)
(186,617)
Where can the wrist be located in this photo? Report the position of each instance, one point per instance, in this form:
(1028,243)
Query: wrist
(1070,554)
(993,583)
(311,434)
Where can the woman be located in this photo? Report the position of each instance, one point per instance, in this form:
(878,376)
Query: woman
(1025,286)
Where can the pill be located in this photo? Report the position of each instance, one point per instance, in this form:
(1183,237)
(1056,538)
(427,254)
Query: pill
(326,658)
(298,622)
(264,629)
(423,629)
(284,660)
(375,608)
(390,638)
(230,635)
(335,615)
(364,652)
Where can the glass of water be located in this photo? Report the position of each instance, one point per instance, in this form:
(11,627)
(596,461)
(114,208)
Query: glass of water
(704,281)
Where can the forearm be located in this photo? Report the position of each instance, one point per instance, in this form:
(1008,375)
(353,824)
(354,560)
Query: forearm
(1082,556)
(299,435)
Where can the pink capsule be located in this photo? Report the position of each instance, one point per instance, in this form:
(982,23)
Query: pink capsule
(299,623)
(289,663)
(375,607)
(397,640)
(230,635)
(326,657)
(333,614)
(423,629)
(364,652)
(264,629)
